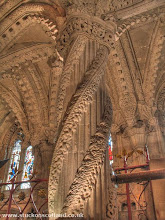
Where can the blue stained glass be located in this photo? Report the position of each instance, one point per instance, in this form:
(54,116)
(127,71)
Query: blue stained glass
(14,161)
(28,167)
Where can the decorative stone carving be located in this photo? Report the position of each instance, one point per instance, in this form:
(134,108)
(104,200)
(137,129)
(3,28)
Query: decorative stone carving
(145,114)
(57,67)
(153,66)
(7,139)
(128,106)
(93,28)
(14,31)
(34,53)
(83,97)
(88,172)
(36,92)
(112,212)
(15,105)
(161,109)
(120,4)
(89,7)
(135,20)
(73,57)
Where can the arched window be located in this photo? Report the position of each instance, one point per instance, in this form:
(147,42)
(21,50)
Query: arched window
(14,161)
(28,167)
(110,144)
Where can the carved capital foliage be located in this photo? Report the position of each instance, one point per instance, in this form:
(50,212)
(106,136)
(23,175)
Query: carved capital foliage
(82,98)
(128,105)
(138,136)
(145,113)
(93,28)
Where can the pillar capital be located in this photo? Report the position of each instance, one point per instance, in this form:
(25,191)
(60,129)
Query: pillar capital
(91,27)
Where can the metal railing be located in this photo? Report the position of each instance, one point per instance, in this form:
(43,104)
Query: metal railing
(11,201)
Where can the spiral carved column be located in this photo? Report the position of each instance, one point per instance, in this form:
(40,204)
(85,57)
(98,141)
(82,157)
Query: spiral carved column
(84,128)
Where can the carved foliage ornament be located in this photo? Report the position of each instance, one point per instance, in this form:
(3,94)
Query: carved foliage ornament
(120,4)
(95,29)
(72,58)
(83,97)
(128,105)
(85,179)
(90,7)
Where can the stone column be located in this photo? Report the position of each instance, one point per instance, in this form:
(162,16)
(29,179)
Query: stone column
(157,161)
(43,155)
(90,68)
(42,160)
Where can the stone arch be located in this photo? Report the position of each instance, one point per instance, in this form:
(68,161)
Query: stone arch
(15,105)
(23,17)
(24,73)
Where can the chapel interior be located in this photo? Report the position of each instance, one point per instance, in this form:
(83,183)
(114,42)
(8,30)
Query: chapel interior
(82,109)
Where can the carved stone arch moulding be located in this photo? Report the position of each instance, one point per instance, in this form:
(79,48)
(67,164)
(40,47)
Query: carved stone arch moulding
(13,27)
(21,19)
(159,91)
(29,96)
(15,105)
(149,87)
(8,138)
(125,98)
(143,18)
(149,84)
(13,61)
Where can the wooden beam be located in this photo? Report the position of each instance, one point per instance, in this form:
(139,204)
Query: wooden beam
(139,176)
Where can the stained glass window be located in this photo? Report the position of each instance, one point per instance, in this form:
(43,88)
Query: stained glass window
(28,167)
(14,161)
(110,149)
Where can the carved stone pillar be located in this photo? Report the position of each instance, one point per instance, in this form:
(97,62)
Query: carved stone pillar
(96,39)
(42,160)
(157,161)
(43,156)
